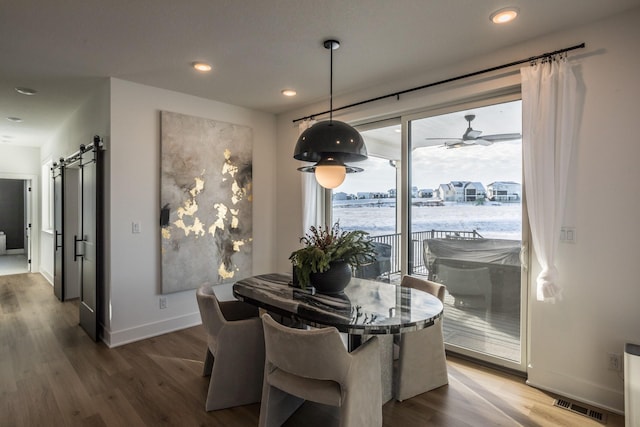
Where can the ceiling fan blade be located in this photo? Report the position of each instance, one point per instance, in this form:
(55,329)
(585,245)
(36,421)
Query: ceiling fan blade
(456,143)
(453,145)
(471,134)
(503,137)
(432,142)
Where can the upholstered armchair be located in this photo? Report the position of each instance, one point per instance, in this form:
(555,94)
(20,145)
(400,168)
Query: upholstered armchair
(235,351)
(315,365)
(421,364)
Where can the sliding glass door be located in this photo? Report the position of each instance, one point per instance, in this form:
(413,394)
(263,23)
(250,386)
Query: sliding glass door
(441,196)
(465,217)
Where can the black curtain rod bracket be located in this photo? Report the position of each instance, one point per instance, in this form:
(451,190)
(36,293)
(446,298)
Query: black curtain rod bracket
(532,59)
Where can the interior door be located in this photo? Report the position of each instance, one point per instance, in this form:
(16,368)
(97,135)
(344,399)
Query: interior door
(87,245)
(71,229)
(27,222)
(58,220)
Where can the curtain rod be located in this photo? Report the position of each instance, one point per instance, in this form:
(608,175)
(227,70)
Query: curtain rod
(452,79)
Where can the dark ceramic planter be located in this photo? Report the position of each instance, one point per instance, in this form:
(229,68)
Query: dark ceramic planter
(332,281)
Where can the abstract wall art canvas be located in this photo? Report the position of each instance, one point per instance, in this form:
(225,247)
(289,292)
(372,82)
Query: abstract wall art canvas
(206,201)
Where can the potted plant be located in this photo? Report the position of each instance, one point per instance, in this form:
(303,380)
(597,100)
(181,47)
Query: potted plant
(328,256)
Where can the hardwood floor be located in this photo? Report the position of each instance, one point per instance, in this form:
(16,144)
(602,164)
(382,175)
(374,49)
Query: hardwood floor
(52,374)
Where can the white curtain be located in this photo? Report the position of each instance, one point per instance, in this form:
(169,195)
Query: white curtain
(312,194)
(549,117)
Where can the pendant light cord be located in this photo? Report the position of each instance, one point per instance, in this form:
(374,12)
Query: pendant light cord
(331,84)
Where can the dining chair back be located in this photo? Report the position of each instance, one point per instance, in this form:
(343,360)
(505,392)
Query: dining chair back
(235,350)
(421,364)
(313,364)
(436,289)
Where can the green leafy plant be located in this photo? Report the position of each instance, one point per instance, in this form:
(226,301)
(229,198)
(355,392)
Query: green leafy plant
(324,245)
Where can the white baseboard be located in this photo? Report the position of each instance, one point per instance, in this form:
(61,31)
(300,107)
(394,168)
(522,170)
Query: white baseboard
(48,276)
(126,336)
(578,389)
(14,251)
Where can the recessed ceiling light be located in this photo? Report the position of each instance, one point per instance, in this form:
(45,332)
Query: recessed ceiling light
(26,90)
(503,16)
(201,66)
(14,119)
(289,92)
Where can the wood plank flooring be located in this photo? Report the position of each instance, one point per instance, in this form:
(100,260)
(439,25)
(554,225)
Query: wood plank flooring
(52,374)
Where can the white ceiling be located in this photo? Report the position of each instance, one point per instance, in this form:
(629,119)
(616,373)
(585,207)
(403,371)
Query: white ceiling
(62,48)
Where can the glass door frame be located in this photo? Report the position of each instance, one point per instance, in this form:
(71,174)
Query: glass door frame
(405,215)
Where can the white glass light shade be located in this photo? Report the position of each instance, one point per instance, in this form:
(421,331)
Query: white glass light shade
(330,176)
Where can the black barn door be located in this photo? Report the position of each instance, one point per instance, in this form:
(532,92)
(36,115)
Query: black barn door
(58,221)
(88,245)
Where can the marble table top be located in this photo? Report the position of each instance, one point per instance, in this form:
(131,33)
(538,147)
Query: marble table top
(366,306)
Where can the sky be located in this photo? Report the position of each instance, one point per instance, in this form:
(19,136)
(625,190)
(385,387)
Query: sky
(432,166)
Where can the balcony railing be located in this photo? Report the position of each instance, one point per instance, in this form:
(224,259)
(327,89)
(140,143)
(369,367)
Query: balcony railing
(416,263)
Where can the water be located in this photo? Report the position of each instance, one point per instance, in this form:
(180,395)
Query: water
(378,217)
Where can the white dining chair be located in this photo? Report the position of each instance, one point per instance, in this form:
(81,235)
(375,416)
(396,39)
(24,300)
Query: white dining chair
(235,351)
(421,365)
(313,364)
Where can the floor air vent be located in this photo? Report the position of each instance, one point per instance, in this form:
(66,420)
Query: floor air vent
(582,410)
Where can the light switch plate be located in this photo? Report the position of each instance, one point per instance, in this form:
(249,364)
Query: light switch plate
(568,234)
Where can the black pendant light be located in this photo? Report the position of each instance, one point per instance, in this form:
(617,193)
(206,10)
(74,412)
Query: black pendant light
(330,144)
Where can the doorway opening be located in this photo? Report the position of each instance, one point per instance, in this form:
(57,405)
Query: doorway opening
(15,226)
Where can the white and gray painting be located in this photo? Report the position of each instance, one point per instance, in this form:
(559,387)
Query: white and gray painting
(206,201)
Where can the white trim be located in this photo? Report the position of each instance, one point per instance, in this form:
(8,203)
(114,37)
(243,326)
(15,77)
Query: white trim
(15,251)
(47,276)
(149,330)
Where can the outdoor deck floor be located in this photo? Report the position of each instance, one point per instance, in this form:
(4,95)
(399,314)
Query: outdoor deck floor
(492,332)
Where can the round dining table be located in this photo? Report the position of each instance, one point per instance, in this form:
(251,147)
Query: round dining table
(365,307)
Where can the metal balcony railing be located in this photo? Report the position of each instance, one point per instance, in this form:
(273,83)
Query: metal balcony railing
(416,263)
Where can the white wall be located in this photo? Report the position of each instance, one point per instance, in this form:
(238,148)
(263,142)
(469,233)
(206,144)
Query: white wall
(569,340)
(134,161)
(599,313)
(19,161)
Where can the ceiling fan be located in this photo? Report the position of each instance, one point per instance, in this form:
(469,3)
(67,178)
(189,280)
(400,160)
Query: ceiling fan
(472,137)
